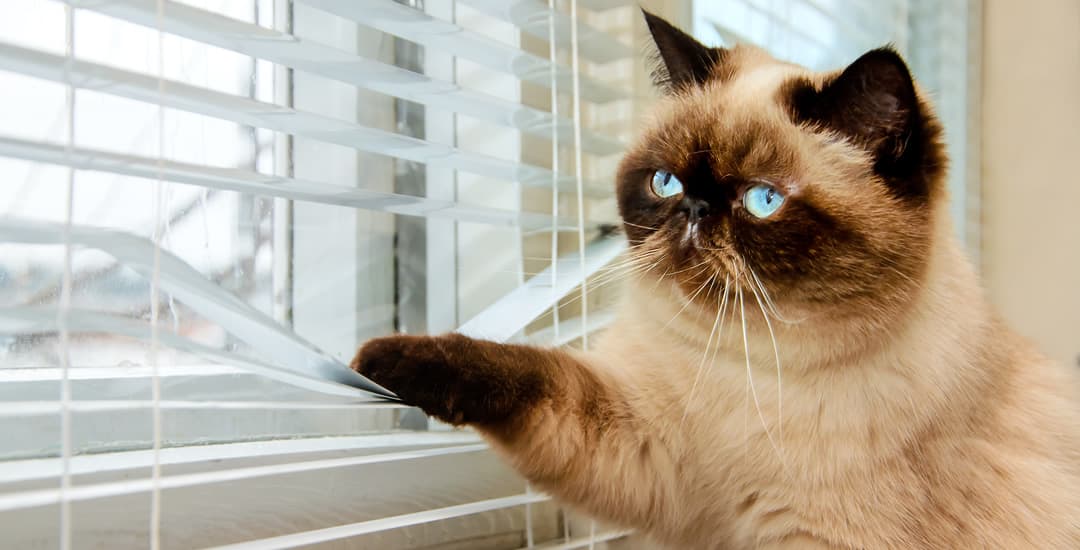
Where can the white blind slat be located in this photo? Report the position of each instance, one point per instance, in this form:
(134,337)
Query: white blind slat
(47,374)
(275,186)
(272,117)
(533,16)
(301,54)
(585,542)
(39,408)
(512,313)
(383,524)
(568,330)
(31,499)
(602,5)
(180,280)
(414,25)
(37,319)
(26,470)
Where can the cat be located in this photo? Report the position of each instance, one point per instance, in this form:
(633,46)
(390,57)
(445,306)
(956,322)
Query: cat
(803,357)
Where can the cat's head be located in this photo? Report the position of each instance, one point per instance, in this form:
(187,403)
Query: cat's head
(815,187)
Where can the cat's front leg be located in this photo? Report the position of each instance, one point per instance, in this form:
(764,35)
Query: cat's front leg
(462,380)
(561,421)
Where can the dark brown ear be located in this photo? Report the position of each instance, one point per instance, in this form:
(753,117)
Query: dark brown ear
(873,102)
(680,60)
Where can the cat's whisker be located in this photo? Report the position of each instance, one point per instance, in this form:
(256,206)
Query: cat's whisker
(625,261)
(629,268)
(602,271)
(612,277)
(723,301)
(636,258)
(746,395)
(641,226)
(750,379)
(713,279)
(637,261)
(596,284)
(653,266)
(700,247)
(697,265)
(693,296)
(637,269)
(630,262)
(769,301)
(703,265)
(756,281)
(701,366)
(776,354)
(661,279)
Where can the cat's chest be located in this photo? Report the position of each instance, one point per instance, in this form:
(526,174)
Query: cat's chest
(751,429)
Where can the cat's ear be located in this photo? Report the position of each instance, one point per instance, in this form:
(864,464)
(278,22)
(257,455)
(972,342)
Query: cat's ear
(680,61)
(873,102)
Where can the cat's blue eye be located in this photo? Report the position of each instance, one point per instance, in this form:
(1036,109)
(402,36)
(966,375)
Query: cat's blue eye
(762,200)
(665,184)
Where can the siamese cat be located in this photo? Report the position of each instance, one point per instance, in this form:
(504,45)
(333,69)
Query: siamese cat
(804,357)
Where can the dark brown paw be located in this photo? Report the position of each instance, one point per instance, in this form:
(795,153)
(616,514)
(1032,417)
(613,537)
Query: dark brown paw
(452,377)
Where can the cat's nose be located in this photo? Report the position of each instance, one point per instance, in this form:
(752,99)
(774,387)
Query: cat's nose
(695,208)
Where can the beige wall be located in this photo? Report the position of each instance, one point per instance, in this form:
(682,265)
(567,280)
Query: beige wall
(1031,169)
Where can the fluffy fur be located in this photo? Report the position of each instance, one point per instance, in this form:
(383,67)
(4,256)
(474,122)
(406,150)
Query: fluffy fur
(828,377)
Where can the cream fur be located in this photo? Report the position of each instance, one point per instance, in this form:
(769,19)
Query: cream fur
(917,421)
(949,432)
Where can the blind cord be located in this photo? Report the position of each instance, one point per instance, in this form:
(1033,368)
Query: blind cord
(552,56)
(155,381)
(579,180)
(64,307)
(578,170)
(552,74)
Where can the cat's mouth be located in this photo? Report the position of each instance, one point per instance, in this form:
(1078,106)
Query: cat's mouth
(696,236)
(698,258)
(695,241)
(690,237)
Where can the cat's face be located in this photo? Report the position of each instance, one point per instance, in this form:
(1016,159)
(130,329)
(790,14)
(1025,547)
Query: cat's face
(815,188)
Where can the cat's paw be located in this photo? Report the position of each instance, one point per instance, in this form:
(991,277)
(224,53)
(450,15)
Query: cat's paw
(450,377)
(414,367)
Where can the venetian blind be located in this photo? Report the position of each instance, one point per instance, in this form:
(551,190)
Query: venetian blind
(208,205)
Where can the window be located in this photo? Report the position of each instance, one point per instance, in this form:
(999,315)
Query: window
(208,205)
